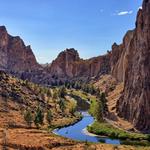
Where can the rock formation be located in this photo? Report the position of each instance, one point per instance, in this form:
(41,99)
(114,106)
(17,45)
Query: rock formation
(63,65)
(19,60)
(68,64)
(14,55)
(119,57)
(133,68)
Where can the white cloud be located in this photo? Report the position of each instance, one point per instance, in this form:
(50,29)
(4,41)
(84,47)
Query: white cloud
(121,13)
(140,7)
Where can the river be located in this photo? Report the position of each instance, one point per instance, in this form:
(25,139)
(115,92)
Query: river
(78,132)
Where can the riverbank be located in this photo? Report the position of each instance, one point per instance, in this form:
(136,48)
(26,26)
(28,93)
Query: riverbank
(86,132)
(77,132)
(105,129)
(39,139)
(61,123)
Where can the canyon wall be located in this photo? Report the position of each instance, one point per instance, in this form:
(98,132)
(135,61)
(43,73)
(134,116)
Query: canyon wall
(69,64)
(19,60)
(131,64)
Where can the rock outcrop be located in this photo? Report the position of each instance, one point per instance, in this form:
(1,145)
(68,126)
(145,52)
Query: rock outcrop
(19,60)
(68,64)
(131,64)
(63,65)
(119,57)
(14,55)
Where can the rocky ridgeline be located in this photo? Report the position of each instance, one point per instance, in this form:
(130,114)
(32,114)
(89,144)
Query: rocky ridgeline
(128,62)
(18,59)
(14,55)
(68,64)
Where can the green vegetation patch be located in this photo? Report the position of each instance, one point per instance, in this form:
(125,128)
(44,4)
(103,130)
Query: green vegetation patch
(81,94)
(105,129)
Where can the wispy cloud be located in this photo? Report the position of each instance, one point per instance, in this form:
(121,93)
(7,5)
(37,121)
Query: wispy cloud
(122,13)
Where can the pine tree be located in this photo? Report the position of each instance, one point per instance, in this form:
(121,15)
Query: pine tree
(49,94)
(62,104)
(55,94)
(99,112)
(104,102)
(98,93)
(62,92)
(49,116)
(28,117)
(39,117)
(148,136)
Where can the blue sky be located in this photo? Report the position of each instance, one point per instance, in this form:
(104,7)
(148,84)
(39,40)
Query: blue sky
(50,26)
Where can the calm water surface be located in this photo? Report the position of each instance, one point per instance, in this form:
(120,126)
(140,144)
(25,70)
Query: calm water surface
(76,131)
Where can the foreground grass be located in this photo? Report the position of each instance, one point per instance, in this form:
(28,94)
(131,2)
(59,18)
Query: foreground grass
(105,129)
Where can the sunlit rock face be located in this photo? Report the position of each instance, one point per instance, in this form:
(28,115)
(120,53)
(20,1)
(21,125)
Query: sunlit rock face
(69,64)
(14,55)
(134,105)
(3,47)
(63,65)
(19,60)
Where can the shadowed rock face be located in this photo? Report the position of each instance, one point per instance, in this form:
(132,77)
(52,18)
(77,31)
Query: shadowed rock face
(134,104)
(14,55)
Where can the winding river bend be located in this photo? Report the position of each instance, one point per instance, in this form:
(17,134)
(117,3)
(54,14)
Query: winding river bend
(78,132)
